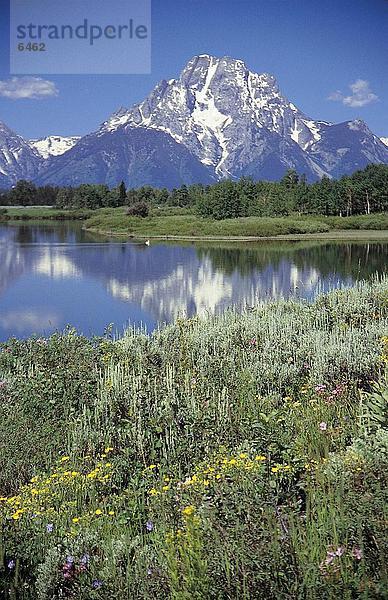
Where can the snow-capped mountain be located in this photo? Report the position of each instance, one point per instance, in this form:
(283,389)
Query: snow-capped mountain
(17,159)
(217,119)
(54,145)
(384,140)
(234,121)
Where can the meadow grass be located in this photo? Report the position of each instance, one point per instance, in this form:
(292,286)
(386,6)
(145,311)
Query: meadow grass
(242,455)
(176,222)
(158,224)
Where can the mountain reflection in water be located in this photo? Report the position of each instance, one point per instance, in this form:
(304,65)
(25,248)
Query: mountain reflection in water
(55,275)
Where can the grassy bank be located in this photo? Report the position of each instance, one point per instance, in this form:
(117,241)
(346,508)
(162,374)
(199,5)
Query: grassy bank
(180,223)
(38,213)
(238,456)
(116,222)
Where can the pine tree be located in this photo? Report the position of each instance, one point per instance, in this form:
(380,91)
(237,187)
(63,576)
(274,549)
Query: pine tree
(122,194)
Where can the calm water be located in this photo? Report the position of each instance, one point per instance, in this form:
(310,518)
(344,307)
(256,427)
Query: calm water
(55,275)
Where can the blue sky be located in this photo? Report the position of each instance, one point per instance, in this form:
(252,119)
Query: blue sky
(315,49)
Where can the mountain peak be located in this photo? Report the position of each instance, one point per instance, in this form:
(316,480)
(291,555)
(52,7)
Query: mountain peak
(212,59)
(228,116)
(198,68)
(358,125)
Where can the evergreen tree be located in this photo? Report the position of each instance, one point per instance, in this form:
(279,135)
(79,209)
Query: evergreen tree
(122,194)
(23,194)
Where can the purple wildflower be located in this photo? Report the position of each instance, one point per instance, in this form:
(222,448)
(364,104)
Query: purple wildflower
(96,584)
(357,553)
(11,564)
(149,526)
(49,527)
(330,557)
(68,568)
(85,559)
(323,426)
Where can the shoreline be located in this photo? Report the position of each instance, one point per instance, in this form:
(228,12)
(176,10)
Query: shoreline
(334,235)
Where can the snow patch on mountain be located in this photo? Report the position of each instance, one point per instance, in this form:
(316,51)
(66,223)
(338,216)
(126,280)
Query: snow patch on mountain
(54,145)
(384,140)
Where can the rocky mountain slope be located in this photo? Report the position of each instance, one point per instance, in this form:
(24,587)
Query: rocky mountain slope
(18,160)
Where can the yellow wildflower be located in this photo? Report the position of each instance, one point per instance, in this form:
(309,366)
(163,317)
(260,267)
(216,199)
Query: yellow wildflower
(188,510)
(98,511)
(75,520)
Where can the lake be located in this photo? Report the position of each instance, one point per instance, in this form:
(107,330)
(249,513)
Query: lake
(54,275)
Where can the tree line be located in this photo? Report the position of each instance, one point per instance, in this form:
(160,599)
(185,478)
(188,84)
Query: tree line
(363,192)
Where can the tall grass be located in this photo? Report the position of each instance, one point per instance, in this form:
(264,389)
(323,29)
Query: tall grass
(115,221)
(160,224)
(233,456)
